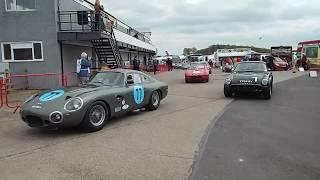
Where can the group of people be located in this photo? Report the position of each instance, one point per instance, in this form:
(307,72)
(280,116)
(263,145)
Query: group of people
(147,64)
(297,63)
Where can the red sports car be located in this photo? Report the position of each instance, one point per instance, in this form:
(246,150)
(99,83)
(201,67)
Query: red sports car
(277,64)
(197,73)
(280,65)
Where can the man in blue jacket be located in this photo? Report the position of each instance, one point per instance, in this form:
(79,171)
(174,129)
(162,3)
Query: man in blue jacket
(83,69)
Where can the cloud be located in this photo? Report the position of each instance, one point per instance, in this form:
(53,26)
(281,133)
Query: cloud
(176,24)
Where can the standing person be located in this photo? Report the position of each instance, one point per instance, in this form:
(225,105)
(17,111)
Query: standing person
(99,24)
(136,64)
(168,63)
(170,67)
(210,63)
(304,61)
(83,69)
(155,65)
(294,63)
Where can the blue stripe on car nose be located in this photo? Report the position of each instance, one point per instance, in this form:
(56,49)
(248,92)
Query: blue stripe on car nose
(51,95)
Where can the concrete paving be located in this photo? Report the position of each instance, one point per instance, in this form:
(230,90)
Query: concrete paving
(259,139)
(145,145)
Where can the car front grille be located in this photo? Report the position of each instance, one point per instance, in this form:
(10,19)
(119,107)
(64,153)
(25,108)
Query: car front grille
(247,88)
(34,121)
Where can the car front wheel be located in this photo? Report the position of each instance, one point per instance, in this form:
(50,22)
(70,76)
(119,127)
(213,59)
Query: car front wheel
(267,94)
(96,117)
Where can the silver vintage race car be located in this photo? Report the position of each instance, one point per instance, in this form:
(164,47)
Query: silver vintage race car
(109,94)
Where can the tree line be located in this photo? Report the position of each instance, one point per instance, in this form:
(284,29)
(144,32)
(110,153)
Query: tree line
(213,48)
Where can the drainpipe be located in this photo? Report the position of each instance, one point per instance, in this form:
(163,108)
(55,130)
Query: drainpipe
(62,65)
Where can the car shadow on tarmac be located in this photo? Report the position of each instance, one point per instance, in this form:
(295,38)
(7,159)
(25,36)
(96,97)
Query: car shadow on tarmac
(76,131)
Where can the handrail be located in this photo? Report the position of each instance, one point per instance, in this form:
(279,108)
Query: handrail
(114,45)
(108,14)
(69,21)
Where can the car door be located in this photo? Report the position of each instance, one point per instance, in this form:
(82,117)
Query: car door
(135,93)
(149,87)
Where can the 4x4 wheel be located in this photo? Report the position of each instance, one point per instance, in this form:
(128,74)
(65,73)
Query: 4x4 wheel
(267,94)
(227,92)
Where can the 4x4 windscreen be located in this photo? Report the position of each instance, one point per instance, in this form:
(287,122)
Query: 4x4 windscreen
(251,67)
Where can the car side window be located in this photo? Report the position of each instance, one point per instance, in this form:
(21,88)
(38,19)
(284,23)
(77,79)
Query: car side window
(145,79)
(137,78)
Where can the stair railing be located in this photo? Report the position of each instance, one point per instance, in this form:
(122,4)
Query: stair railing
(115,48)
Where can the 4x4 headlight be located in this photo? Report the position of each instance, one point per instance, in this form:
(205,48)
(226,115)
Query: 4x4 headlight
(228,81)
(73,104)
(265,82)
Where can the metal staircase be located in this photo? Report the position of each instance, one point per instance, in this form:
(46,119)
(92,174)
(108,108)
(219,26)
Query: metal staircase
(107,50)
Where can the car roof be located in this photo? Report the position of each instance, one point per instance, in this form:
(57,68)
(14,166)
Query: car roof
(120,71)
(244,62)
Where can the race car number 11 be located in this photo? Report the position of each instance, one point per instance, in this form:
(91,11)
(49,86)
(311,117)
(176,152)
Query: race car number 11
(138,94)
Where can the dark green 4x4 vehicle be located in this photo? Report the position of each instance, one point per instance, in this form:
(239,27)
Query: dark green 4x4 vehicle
(252,77)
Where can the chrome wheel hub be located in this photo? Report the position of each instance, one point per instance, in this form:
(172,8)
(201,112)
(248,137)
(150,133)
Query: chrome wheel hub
(97,115)
(155,99)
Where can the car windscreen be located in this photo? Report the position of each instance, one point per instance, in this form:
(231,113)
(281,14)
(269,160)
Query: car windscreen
(108,79)
(277,59)
(197,67)
(251,67)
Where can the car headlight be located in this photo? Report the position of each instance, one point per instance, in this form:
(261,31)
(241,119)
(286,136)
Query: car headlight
(73,104)
(265,82)
(30,98)
(228,81)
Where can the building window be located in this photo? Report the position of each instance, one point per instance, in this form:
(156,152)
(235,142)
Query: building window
(22,51)
(20,5)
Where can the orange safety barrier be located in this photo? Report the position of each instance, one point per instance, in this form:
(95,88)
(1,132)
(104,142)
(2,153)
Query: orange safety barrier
(1,97)
(6,85)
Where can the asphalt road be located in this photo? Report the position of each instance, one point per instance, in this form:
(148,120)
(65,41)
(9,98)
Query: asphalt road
(256,139)
(145,145)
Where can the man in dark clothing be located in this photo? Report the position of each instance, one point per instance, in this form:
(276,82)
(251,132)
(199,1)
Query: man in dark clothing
(136,64)
(304,61)
(155,65)
(169,64)
(211,63)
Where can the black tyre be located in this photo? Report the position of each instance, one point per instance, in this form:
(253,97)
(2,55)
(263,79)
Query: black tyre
(154,102)
(96,117)
(227,92)
(267,94)
(187,81)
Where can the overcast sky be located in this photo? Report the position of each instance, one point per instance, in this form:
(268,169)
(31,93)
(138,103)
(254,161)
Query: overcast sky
(176,24)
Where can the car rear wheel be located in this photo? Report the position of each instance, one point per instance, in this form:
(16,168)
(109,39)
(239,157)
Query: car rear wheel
(96,117)
(227,92)
(154,102)
(187,81)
